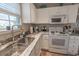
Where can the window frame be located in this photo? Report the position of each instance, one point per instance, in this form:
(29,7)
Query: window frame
(9,20)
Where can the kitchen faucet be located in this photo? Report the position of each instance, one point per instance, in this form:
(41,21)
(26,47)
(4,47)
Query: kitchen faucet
(13,37)
(12,31)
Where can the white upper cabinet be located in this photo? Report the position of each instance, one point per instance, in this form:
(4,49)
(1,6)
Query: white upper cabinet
(72,13)
(33,13)
(63,11)
(44,14)
(28,13)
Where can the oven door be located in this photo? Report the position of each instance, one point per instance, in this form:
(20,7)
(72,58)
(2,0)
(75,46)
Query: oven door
(58,42)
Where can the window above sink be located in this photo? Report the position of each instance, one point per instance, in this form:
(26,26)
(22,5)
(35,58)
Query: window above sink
(7,21)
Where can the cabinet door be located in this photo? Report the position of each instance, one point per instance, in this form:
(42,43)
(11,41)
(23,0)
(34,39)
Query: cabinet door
(33,13)
(42,16)
(45,42)
(26,13)
(62,10)
(72,13)
(73,45)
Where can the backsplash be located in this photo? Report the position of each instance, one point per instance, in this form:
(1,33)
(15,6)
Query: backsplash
(46,26)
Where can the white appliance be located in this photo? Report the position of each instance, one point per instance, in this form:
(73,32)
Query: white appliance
(58,42)
(58,19)
(55,29)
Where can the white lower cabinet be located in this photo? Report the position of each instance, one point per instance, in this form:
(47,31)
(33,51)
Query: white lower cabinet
(73,45)
(44,41)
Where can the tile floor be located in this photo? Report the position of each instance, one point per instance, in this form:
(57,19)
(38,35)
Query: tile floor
(48,53)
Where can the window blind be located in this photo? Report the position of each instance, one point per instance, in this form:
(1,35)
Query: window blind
(11,7)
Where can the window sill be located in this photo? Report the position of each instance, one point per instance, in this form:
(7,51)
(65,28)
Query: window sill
(4,32)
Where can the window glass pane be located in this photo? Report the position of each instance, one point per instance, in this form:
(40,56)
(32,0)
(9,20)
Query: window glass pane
(4,16)
(13,23)
(13,18)
(4,24)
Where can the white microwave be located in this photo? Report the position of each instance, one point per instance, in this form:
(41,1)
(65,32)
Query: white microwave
(58,19)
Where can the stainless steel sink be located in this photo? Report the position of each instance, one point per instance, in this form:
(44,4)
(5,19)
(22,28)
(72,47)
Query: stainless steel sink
(16,48)
(20,47)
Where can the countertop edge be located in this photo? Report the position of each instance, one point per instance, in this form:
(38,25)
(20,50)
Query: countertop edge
(31,46)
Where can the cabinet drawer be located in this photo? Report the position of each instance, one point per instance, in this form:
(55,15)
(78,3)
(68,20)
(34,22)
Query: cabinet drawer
(44,41)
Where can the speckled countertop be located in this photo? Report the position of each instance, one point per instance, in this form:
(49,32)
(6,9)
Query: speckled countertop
(36,36)
(28,50)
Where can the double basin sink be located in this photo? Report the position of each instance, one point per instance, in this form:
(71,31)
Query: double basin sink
(15,48)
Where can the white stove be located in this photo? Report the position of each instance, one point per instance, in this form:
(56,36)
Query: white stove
(58,42)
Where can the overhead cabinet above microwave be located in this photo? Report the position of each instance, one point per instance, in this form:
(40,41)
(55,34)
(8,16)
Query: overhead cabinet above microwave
(69,14)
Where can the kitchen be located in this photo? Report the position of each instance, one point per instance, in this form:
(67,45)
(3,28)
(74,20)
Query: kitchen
(39,29)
